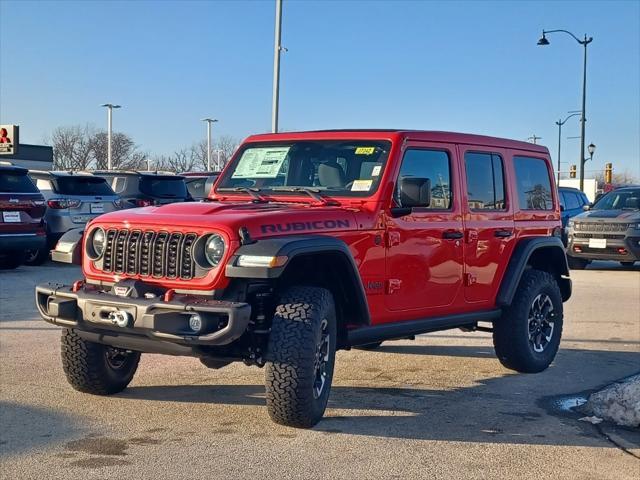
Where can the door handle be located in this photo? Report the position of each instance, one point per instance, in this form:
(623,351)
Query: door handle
(452,234)
(503,233)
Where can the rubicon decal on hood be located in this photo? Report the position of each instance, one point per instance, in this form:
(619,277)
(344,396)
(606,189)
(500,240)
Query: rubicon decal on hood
(302,226)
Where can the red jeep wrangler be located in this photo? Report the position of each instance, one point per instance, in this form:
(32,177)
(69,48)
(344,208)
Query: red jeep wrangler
(318,241)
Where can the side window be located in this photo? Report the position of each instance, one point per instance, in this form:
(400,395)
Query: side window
(118,183)
(571,201)
(434,165)
(563,204)
(533,184)
(485,181)
(43,184)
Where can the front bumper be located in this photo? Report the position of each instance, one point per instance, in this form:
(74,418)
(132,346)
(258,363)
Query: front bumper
(622,248)
(151,320)
(21,242)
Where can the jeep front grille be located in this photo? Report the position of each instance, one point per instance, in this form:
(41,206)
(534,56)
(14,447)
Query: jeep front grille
(601,227)
(151,254)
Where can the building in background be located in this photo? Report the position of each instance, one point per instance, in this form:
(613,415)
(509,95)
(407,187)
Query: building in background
(33,157)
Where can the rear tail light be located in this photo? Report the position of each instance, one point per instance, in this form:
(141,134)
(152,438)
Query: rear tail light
(59,203)
(140,202)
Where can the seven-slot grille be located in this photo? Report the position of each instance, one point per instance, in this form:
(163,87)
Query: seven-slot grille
(154,254)
(601,227)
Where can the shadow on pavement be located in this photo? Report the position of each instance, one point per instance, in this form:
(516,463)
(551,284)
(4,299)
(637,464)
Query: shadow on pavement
(24,428)
(504,409)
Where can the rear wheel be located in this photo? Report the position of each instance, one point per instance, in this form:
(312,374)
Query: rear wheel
(527,337)
(36,257)
(95,368)
(577,263)
(301,357)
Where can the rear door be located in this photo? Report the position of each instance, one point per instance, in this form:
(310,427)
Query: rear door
(489,226)
(88,196)
(424,248)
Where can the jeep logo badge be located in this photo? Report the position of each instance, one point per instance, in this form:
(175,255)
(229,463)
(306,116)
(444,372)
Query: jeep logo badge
(122,291)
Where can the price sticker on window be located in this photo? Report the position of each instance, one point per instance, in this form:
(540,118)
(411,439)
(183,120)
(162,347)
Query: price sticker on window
(365,150)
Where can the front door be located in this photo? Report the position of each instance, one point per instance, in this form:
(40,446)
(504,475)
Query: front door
(424,246)
(489,227)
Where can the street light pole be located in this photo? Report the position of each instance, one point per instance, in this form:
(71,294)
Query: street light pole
(586,41)
(560,123)
(209,122)
(276,68)
(110,107)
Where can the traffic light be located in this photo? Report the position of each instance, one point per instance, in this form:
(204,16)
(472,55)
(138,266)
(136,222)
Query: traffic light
(572,171)
(608,172)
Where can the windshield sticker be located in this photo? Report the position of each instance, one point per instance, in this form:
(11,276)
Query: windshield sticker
(361,185)
(376,170)
(261,162)
(365,150)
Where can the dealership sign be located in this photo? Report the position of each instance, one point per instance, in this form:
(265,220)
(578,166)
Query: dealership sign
(8,139)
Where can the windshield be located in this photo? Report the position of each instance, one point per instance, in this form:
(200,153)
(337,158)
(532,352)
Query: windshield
(169,187)
(627,199)
(13,182)
(335,168)
(79,185)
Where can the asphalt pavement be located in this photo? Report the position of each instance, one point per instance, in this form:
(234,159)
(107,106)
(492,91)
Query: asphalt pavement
(441,406)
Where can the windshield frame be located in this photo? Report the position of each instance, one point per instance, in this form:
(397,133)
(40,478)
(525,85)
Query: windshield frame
(384,143)
(599,205)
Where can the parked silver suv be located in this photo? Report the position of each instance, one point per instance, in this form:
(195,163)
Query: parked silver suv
(73,198)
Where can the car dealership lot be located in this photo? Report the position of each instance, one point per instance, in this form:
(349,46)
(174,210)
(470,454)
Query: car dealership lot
(441,406)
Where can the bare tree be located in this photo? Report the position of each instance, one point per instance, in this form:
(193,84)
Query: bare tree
(224,148)
(72,147)
(124,152)
(618,178)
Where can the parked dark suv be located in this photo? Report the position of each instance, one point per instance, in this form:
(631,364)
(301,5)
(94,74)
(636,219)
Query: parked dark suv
(610,230)
(22,207)
(143,189)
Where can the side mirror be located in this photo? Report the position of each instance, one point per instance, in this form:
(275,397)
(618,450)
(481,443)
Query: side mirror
(586,208)
(412,192)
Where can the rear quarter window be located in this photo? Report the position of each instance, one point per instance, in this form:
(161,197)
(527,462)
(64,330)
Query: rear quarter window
(11,182)
(533,184)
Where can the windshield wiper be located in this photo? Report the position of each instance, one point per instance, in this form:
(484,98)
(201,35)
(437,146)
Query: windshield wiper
(251,191)
(312,192)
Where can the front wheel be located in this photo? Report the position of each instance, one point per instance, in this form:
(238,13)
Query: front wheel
(95,368)
(527,336)
(301,356)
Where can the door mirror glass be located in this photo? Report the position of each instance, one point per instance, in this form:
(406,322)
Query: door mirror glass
(415,192)
(586,208)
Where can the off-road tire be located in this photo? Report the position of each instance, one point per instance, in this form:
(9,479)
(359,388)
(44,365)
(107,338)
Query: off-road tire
(511,331)
(296,333)
(576,263)
(87,369)
(369,346)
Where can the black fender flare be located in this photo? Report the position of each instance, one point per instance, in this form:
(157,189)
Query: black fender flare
(555,254)
(292,247)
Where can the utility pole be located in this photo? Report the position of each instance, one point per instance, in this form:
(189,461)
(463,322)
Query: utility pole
(110,107)
(560,123)
(209,122)
(534,139)
(276,68)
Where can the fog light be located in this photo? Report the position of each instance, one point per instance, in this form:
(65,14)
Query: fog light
(577,249)
(195,322)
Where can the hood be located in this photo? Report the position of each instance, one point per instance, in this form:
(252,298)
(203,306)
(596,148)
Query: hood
(615,215)
(261,220)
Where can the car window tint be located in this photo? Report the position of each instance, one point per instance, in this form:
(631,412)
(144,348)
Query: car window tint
(11,182)
(196,187)
(485,181)
(169,187)
(561,199)
(80,185)
(118,184)
(533,184)
(434,165)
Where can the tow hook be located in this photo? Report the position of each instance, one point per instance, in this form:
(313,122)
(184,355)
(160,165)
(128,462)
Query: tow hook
(120,318)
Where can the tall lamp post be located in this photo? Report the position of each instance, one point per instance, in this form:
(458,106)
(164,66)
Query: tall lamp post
(110,107)
(586,41)
(209,122)
(277,49)
(560,123)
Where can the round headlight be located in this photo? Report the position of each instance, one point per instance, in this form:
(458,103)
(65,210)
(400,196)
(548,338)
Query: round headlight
(214,249)
(97,243)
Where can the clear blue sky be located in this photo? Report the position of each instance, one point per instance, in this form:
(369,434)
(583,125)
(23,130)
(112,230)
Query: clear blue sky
(460,66)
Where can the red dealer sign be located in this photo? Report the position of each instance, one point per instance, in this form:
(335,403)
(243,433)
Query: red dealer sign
(8,139)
